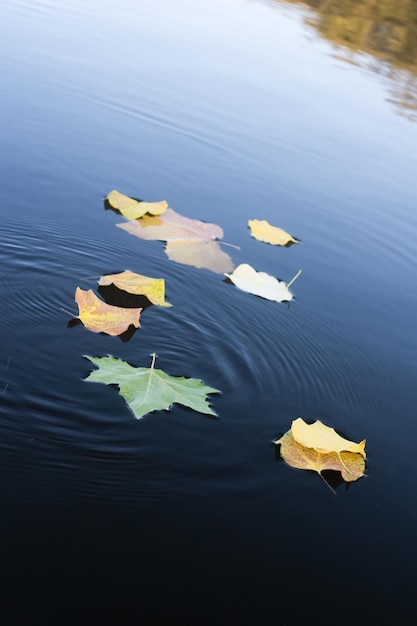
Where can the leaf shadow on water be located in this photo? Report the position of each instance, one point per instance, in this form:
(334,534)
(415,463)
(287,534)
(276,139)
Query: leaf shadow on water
(117,297)
(108,207)
(292,243)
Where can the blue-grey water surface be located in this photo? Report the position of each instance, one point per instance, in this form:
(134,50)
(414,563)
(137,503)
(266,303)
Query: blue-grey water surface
(230,110)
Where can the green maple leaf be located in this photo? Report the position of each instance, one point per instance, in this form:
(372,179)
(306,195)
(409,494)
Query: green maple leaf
(147,389)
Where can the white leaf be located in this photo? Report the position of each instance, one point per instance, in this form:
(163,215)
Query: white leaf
(260,283)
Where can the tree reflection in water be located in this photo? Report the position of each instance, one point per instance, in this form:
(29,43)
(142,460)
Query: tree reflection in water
(386,29)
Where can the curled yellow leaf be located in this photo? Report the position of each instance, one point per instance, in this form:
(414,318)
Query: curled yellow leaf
(323,438)
(133,209)
(152,288)
(350,464)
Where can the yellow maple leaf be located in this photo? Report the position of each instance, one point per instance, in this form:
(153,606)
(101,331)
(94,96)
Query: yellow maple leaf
(152,288)
(133,209)
(264,231)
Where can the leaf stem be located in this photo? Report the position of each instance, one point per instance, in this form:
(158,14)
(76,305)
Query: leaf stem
(150,378)
(231,245)
(67,312)
(293,279)
(329,486)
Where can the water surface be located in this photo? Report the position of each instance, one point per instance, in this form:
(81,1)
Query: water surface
(230,111)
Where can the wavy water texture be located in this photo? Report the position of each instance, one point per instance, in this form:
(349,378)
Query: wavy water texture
(230,111)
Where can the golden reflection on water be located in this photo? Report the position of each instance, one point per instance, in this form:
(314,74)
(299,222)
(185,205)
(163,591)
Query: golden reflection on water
(385,29)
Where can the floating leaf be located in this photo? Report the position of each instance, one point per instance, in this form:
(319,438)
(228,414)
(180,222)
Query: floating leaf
(318,447)
(149,389)
(152,288)
(264,231)
(189,241)
(323,438)
(349,464)
(133,209)
(100,317)
(261,284)
(173,226)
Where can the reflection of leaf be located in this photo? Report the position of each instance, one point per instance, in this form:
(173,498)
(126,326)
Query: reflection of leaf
(132,209)
(100,317)
(188,241)
(152,288)
(261,284)
(201,254)
(263,231)
(148,389)
(318,447)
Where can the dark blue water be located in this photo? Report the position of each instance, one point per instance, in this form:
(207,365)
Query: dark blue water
(230,111)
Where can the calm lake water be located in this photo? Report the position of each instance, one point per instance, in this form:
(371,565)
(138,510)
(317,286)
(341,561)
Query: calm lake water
(230,110)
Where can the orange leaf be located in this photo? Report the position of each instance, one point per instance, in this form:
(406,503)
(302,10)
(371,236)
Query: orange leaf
(100,317)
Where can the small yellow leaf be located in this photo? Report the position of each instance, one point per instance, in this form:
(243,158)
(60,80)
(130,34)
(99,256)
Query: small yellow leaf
(264,231)
(133,209)
(152,288)
(323,438)
(100,317)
